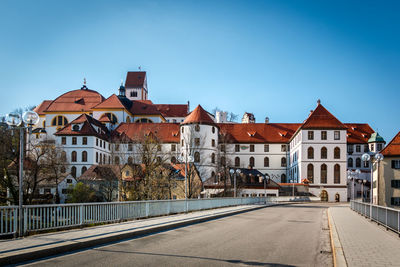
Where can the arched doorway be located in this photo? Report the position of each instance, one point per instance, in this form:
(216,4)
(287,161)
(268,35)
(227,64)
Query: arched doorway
(337,197)
(324,196)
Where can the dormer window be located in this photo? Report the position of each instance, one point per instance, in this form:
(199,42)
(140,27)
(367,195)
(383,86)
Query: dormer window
(133,94)
(75,127)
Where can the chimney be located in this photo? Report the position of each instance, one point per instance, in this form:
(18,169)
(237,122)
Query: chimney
(266,119)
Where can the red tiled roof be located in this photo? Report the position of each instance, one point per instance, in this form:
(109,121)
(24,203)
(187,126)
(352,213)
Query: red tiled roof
(171,110)
(135,79)
(101,173)
(76,100)
(198,115)
(164,132)
(86,129)
(42,107)
(142,108)
(262,132)
(113,102)
(321,118)
(393,148)
(358,133)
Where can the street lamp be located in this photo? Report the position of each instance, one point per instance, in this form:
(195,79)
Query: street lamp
(292,181)
(234,172)
(351,176)
(186,159)
(30,118)
(367,158)
(362,182)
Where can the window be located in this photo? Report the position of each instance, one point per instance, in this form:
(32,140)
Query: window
(324,174)
(74,141)
(336,174)
(73,171)
(97,157)
(283,162)
(63,140)
(251,148)
(63,156)
(213,142)
(310,173)
(133,94)
(63,170)
(310,135)
(97,142)
(336,153)
(283,178)
(69,181)
(197,141)
(379,147)
(324,136)
(350,163)
(350,149)
(266,148)
(73,156)
(173,147)
(237,148)
(283,148)
(358,148)
(182,142)
(372,147)
(396,183)
(84,156)
(82,171)
(84,140)
(251,162)
(310,153)
(266,162)
(197,128)
(101,143)
(213,129)
(223,148)
(128,119)
(143,120)
(324,153)
(395,201)
(116,147)
(130,147)
(116,160)
(358,163)
(196,157)
(212,158)
(237,162)
(182,129)
(173,160)
(130,160)
(336,135)
(59,121)
(395,164)
(223,161)
(75,128)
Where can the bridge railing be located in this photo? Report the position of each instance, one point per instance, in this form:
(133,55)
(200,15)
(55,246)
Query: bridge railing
(57,216)
(388,217)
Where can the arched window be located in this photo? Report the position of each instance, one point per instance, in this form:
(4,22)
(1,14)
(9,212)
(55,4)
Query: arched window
(251,162)
(104,158)
(212,158)
(196,157)
(310,153)
(283,162)
(73,156)
(237,162)
(173,160)
(336,174)
(213,129)
(84,156)
(63,156)
(324,174)
(358,163)
(59,121)
(336,153)
(130,160)
(350,162)
(83,170)
(266,162)
(101,158)
(197,128)
(324,153)
(214,176)
(223,161)
(73,171)
(283,178)
(144,120)
(128,119)
(97,157)
(310,173)
(116,160)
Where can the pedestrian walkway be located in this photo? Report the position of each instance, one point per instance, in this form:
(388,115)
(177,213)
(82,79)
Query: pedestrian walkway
(364,243)
(42,245)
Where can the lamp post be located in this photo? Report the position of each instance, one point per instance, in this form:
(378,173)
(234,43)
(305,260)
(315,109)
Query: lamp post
(265,185)
(352,175)
(29,118)
(362,182)
(234,172)
(292,181)
(186,159)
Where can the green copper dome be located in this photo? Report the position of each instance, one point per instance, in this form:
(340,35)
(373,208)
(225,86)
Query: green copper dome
(376,138)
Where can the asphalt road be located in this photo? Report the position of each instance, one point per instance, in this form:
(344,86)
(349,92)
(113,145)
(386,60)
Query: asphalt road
(292,235)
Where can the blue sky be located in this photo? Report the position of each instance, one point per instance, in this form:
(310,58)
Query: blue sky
(272,58)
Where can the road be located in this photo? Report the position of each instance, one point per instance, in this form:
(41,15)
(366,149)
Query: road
(292,235)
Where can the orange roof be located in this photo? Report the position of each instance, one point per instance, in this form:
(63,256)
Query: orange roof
(76,100)
(322,118)
(135,79)
(42,107)
(87,128)
(260,132)
(393,148)
(143,108)
(171,110)
(198,115)
(114,102)
(358,133)
(164,132)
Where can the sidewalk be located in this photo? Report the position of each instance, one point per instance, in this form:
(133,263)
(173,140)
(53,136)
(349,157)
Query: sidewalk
(364,243)
(43,245)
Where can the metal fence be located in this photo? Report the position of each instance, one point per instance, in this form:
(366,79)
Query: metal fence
(388,217)
(47,217)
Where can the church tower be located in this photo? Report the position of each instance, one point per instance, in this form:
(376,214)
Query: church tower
(136,85)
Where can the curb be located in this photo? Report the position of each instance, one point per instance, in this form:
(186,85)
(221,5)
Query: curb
(339,259)
(51,251)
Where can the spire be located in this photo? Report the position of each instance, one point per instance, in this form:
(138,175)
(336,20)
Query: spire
(84,85)
(122,89)
(319,101)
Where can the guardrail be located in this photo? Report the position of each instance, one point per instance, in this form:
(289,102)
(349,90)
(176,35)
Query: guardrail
(47,217)
(388,217)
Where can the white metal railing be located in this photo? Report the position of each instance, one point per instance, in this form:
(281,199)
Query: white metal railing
(46,217)
(388,217)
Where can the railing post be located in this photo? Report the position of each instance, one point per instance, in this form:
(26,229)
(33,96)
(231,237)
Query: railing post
(25,212)
(81,214)
(386,221)
(147,209)
(398,222)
